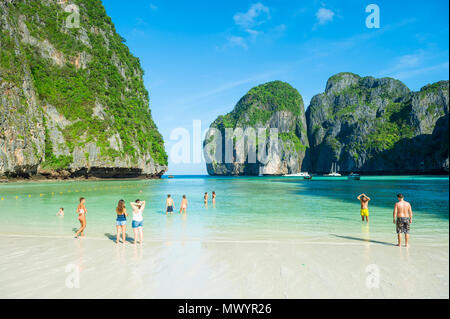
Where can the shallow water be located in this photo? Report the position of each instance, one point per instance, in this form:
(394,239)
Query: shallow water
(271,237)
(254,208)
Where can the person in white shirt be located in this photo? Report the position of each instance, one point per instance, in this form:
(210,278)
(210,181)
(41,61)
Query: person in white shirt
(138,220)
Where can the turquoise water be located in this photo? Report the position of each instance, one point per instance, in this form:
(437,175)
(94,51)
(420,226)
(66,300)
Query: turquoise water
(255,208)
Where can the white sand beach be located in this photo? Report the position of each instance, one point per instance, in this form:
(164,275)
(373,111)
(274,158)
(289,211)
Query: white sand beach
(35,267)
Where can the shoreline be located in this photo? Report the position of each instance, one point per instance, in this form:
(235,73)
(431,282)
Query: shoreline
(39,179)
(344,174)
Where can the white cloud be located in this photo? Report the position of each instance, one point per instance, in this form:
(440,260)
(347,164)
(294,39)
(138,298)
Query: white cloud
(402,75)
(324,16)
(248,26)
(256,15)
(404,62)
(153,7)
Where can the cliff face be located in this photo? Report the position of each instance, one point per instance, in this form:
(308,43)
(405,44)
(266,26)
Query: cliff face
(73,102)
(378,126)
(274,105)
(361,124)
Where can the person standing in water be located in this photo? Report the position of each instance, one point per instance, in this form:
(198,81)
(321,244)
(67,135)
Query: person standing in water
(138,220)
(205,198)
(121,220)
(169,205)
(60,212)
(214,198)
(81,211)
(184,203)
(364,200)
(402,219)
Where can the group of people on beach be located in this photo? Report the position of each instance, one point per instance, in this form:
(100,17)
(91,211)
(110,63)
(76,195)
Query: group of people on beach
(121,219)
(402,215)
(137,220)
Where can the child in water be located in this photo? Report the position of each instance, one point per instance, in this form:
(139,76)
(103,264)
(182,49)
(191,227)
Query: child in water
(60,212)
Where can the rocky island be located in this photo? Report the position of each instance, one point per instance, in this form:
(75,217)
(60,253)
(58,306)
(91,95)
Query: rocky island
(271,105)
(378,126)
(73,101)
(359,124)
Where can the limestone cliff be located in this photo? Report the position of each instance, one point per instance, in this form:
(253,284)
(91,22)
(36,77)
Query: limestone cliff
(360,124)
(275,105)
(374,125)
(73,101)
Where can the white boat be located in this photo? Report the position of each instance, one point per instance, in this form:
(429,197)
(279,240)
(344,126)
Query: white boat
(301,174)
(333,172)
(354,176)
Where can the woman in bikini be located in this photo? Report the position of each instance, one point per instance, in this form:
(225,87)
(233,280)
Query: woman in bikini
(81,211)
(214,198)
(205,198)
(183,205)
(121,220)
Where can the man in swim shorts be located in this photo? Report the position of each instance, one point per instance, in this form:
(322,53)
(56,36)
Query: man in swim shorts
(402,219)
(364,200)
(169,205)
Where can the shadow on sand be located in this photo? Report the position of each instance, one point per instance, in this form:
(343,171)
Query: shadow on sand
(366,240)
(114,237)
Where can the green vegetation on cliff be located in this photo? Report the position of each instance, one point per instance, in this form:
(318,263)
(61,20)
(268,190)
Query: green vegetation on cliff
(258,105)
(87,68)
(274,105)
(391,127)
(358,120)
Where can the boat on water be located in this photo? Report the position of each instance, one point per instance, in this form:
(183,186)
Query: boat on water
(354,176)
(307,177)
(334,171)
(301,174)
(170,176)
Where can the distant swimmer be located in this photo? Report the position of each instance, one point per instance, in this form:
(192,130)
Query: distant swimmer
(169,205)
(364,199)
(184,204)
(81,211)
(121,220)
(205,198)
(60,212)
(402,218)
(138,220)
(214,198)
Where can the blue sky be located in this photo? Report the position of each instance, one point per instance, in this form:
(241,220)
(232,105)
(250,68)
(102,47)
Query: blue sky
(200,57)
